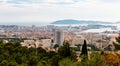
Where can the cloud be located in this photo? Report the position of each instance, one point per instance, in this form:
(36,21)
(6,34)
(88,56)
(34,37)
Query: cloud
(50,10)
(57,2)
(1,1)
(18,1)
(110,1)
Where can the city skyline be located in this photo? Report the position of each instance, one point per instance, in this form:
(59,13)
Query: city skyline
(12,11)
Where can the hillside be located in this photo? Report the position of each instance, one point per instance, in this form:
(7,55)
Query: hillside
(70,21)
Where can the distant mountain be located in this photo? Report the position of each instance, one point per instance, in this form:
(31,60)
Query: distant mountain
(70,21)
(118,22)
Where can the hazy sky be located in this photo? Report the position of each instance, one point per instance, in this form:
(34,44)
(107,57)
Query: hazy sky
(51,10)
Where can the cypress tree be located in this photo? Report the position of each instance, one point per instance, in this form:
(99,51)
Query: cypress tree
(84,51)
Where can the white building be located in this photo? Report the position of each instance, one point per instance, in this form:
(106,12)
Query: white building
(45,43)
(58,37)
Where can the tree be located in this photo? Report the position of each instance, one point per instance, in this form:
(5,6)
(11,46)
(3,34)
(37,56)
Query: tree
(55,60)
(4,63)
(50,54)
(56,46)
(111,59)
(84,50)
(41,53)
(64,50)
(43,63)
(67,62)
(117,43)
(94,60)
(13,63)
(33,60)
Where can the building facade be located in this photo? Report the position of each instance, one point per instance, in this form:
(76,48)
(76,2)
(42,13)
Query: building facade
(58,37)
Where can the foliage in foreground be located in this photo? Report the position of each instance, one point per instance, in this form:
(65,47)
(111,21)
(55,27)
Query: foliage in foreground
(13,54)
(117,43)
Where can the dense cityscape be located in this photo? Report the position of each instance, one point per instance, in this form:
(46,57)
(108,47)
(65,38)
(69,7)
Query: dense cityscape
(53,40)
(43,36)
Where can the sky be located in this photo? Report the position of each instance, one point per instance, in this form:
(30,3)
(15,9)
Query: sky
(52,10)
